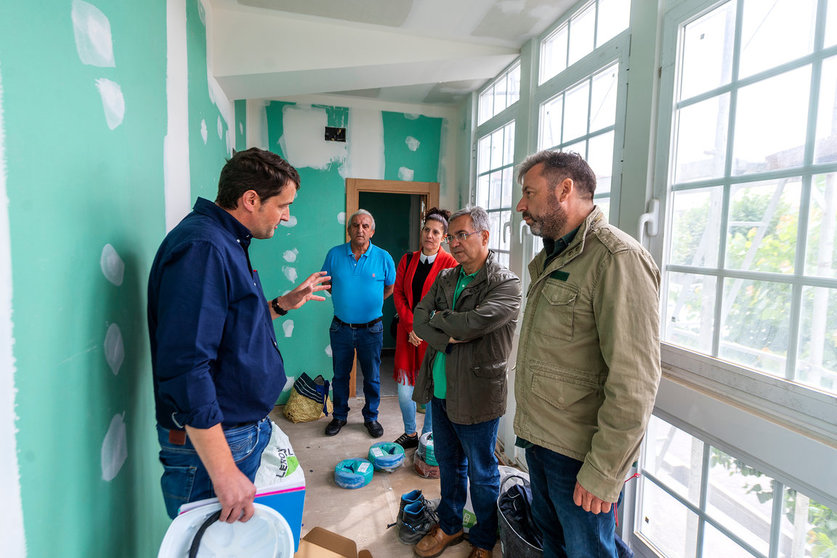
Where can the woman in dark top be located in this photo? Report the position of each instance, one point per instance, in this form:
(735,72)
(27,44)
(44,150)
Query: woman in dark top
(416,273)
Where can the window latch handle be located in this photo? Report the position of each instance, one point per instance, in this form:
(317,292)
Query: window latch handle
(650,220)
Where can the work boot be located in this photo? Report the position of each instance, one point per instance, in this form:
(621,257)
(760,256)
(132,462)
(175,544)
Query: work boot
(435,542)
(408,498)
(415,523)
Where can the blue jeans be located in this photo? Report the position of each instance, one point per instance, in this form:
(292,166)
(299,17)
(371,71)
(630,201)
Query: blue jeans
(185,479)
(367,341)
(465,453)
(568,530)
(408,410)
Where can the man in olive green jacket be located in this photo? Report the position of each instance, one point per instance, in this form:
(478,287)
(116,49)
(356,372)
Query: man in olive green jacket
(588,360)
(468,319)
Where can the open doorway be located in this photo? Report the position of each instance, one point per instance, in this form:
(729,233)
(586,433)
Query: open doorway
(397,207)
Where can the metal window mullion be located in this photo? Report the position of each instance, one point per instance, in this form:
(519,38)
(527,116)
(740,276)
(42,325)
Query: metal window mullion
(704,490)
(776,519)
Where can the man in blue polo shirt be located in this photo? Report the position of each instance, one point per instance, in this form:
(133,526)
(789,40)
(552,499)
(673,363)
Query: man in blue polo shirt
(216,363)
(363,275)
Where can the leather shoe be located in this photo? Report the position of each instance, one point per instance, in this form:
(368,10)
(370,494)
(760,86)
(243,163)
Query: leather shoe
(480,553)
(374,427)
(334,426)
(435,542)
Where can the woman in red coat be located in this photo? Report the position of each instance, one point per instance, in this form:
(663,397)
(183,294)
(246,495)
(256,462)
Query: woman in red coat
(416,273)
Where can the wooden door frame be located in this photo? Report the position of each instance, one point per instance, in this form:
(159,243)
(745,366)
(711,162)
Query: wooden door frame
(429,191)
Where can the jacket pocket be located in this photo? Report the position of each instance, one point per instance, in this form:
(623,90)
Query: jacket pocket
(489,370)
(554,315)
(564,391)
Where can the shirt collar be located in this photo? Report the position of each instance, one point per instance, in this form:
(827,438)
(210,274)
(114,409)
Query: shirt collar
(427,259)
(349,249)
(229,223)
(555,247)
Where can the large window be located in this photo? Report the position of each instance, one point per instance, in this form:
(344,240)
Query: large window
(698,500)
(495,182)
(751,261)
(502,93)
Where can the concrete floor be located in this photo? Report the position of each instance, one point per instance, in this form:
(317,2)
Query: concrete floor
(364,513)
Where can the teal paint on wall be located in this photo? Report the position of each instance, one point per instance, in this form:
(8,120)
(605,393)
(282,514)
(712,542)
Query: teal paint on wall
(321,198)
(75,185)
(240,125)
(399,129)
(206,157)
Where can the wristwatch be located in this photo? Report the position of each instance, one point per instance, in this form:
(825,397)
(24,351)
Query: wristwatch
(276,308)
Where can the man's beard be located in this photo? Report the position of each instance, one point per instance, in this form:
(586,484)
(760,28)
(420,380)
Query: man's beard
(550,224)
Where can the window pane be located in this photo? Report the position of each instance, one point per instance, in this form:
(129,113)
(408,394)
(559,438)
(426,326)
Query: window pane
(716,543)
(554,54)
(817,359)
(603,99)
(701,146)
(600,159)
(763,225)
(497,149)
(514,84)
(508,139)
(579,147)
(614,16)
(575,114)
(764,22)
(503,258)
(707,51)
(495,198)
(674,457)
(483,154)
(505,231)
(494,233)
(808,528)
(821,257)
(582,27)
(550,124)
(825,148)
(482,191)
(667,523)
(486,106)
(508,186)
(831,24)
(770,123)
(604,205)
(755,318)
(696,227)
(741,499)
(690,311)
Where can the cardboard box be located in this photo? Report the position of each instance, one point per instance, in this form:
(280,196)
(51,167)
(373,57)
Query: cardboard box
(322,543)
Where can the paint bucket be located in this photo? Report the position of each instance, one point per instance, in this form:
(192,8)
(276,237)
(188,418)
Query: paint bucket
(265,535)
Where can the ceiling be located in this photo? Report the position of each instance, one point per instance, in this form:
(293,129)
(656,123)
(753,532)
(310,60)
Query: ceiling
(409,51)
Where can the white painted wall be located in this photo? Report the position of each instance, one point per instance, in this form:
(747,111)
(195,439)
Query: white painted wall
(11,510)
(176,142)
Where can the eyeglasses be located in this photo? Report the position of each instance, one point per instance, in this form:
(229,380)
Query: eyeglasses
(459,237)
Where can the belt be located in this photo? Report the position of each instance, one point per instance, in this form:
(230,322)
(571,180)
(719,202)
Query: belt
(178,437)
(359,326)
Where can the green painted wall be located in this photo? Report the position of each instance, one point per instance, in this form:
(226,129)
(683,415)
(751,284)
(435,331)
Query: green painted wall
(321,203)
(240,125)
(75,185)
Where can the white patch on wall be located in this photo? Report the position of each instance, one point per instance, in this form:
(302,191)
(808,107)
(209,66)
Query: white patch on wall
(290,273)
(341,217)
(328,349)
(289,383)
(365,140)
(114,348)
(405,174)
(288,327)
(290,255)
(411,116)
(412,143)
(302,141)
(204,132)
(291,222)
(220,127)
(240,128)
(113,103)
(176,175)
(114,448)
(113,268)
(93,39)
(11,518)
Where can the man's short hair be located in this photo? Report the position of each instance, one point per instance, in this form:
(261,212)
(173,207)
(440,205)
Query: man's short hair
(479,217)
(360,212)
(254,169)
(558,165)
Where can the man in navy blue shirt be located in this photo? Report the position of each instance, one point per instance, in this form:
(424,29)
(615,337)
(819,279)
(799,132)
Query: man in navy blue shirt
(217,366)
(363,276)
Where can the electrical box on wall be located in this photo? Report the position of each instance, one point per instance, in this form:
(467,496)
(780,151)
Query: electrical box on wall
(335,134)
